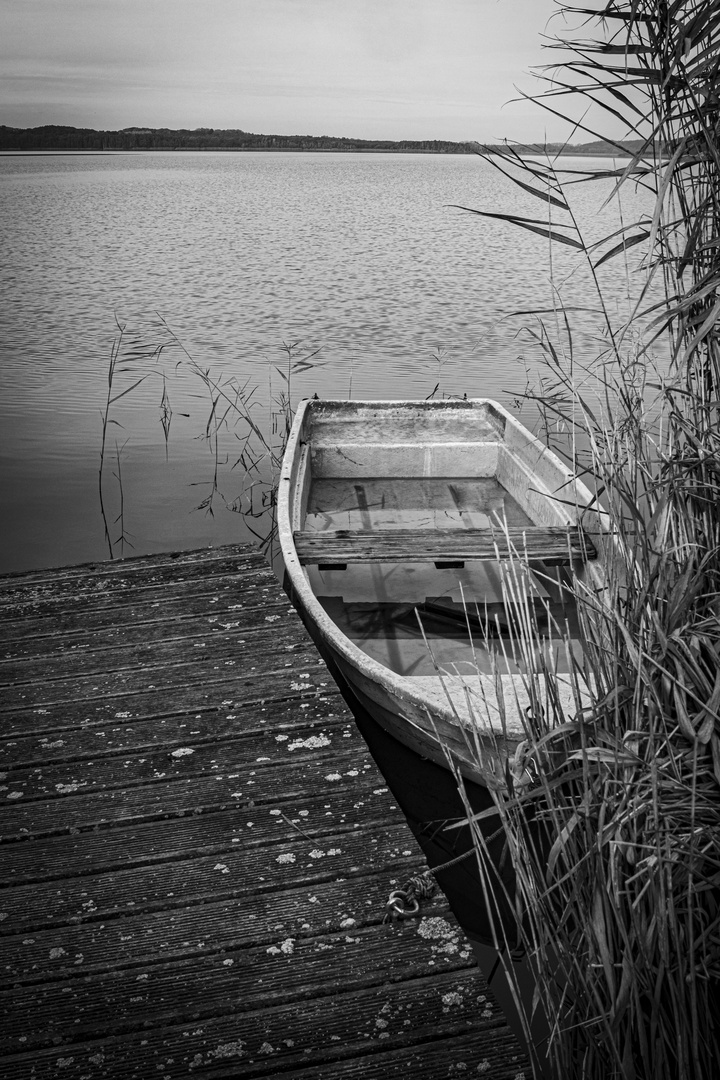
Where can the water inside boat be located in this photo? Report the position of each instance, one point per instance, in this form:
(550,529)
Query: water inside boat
(411,616)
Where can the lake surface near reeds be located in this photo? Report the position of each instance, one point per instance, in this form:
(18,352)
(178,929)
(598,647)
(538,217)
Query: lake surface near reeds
(360,259)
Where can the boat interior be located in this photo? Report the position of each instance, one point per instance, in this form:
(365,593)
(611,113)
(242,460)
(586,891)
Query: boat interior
(431,536)
(413,614)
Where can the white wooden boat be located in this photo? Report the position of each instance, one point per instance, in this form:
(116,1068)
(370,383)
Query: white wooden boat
(397,522)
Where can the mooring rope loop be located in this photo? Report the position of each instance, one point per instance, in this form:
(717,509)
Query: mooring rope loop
(405,903)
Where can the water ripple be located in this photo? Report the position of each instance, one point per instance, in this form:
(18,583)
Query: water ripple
(359,256)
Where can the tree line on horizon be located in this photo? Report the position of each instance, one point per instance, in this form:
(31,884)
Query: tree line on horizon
(58,137)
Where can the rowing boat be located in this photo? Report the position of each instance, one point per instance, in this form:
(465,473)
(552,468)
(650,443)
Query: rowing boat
(411,533)
(404,527)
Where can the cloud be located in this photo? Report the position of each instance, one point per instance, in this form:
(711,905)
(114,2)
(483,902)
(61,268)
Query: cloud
(391,68)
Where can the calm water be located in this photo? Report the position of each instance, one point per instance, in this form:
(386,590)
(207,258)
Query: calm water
(359,258)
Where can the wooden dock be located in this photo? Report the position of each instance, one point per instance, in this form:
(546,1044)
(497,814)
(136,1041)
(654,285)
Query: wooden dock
(197,848)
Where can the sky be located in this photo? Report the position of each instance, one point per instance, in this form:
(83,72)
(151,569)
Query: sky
(372,69)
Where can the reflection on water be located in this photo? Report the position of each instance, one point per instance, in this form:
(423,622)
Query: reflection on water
(360,256)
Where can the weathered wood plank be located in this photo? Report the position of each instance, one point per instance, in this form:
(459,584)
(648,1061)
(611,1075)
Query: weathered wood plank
(128,733)
(203,665)
(201,643)
(235,869)
(259,979)
(198,848)
(260,919)
(186,617)
(224,580)
(212,832)
(206,594)
(173,567)
(223,692)
(406,1022)
(554,543)
(185,756)
(197,792)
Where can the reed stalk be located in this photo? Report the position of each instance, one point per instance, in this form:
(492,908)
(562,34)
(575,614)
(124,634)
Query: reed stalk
(128,354)
(611,807)
(246,436)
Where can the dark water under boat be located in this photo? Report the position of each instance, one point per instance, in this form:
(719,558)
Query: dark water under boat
(430,799)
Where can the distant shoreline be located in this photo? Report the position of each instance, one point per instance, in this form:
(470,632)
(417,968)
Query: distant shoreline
(523,152)
(55,139)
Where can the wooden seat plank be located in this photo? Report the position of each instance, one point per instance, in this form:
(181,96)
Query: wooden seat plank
(556,543)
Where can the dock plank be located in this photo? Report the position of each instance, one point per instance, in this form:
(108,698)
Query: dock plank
(212,832)
(180,650)
(382,1033)
(198,848)
(134,624)
(133,678)
(109,807)
(223,577)
(231,870)
(185,754)
(124,731)
(138,704)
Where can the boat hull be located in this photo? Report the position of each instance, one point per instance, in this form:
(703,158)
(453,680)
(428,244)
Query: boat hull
(475,719)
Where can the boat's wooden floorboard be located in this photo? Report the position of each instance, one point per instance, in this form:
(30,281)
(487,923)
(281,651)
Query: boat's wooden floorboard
(197,848)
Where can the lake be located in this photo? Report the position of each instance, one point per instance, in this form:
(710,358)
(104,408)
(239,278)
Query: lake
(357,263)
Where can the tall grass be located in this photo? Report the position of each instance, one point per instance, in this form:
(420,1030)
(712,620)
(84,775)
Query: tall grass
(611,808)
